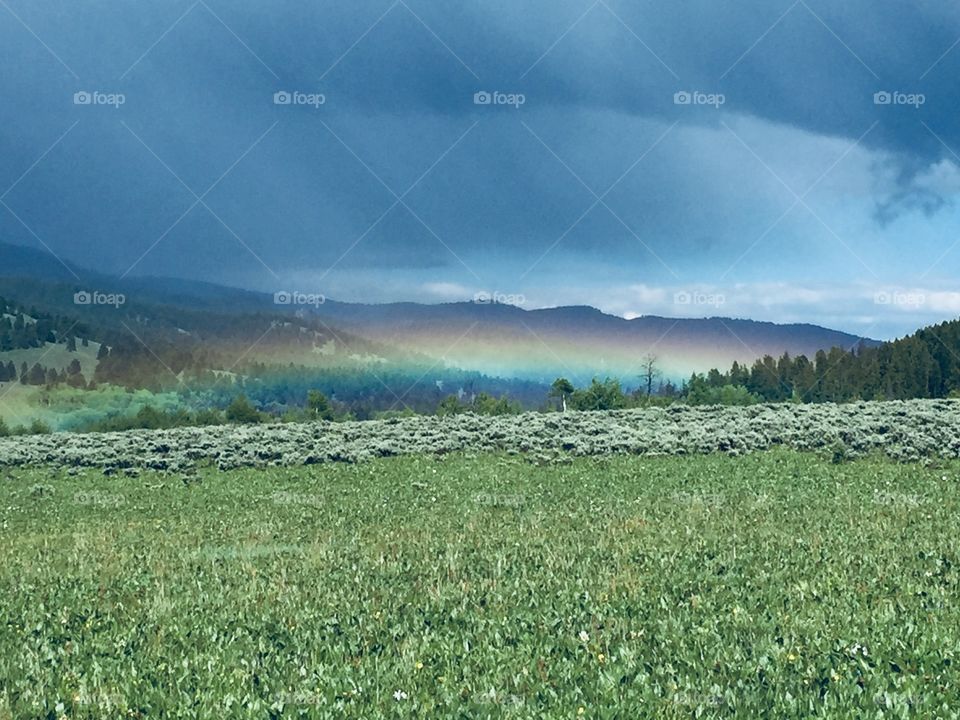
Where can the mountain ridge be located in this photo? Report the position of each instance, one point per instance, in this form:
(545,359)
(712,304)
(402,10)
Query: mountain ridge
(499,339)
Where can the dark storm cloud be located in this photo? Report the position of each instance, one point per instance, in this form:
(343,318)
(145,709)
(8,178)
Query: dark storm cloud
(400,169)
(813,64)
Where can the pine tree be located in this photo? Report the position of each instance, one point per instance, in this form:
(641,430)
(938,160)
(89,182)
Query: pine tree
(37,375)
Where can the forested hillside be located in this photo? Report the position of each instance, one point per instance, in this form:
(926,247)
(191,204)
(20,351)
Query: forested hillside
(923,365)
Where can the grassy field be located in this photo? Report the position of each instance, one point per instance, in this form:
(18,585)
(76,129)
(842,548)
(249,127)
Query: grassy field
(18,403)
(55,355)
(770,585)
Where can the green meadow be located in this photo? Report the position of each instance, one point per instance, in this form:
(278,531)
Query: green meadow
(777,584)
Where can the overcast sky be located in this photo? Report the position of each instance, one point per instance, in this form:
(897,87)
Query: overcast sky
(687,158)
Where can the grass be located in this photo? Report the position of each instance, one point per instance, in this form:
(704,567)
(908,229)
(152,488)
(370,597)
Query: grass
(771,585)
(55,355)
(19,403)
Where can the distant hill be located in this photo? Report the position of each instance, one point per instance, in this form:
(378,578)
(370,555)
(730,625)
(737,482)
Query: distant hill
(21,261)
(495,339)
(577,341)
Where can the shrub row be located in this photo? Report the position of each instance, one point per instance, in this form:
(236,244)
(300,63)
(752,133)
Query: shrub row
(903,430)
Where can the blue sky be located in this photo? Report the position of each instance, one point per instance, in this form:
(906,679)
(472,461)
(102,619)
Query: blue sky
(785,161)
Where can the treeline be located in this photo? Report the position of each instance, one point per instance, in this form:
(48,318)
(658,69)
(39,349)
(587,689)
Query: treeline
(314,406)
(23,328)
(37,427)
(363,392)
(8,372)
(150,418)
(129,363)
(923,365)
(479,404)
(48,377)
(240,411)
(607,394)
